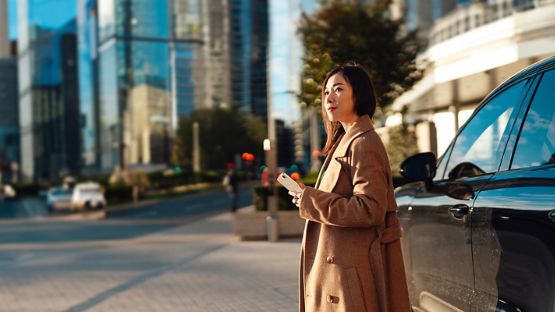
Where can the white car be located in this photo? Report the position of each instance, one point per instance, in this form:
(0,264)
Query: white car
(88,195)
(58,198)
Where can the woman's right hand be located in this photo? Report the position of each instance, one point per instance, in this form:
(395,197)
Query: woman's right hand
(296,198)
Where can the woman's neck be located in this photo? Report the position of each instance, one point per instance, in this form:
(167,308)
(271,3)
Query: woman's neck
(348,124)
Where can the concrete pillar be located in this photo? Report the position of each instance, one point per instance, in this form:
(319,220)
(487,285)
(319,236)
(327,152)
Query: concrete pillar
(426,136)
(196,148)
(455,106)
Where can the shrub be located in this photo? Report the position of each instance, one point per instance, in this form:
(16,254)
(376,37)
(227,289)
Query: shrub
(118,192)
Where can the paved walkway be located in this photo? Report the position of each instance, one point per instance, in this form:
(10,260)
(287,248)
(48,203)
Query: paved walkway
(194,267)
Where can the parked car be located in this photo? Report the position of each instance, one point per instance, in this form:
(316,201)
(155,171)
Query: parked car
(479,223)
(88,195)
(58,198)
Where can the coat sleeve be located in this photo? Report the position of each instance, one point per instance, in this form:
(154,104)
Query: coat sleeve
(368,204)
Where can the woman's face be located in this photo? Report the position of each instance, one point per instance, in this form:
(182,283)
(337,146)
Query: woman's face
(338,100)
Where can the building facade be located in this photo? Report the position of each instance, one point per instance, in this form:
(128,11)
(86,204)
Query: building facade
(9,126)
(48,93)
(499,37)
(174,55)
(248,49)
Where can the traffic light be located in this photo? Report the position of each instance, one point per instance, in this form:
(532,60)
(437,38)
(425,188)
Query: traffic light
(247,156)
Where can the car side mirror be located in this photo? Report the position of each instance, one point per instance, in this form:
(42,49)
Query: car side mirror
(419,167)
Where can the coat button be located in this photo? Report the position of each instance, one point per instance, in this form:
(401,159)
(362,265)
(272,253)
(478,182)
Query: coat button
(333,299)
(331,260)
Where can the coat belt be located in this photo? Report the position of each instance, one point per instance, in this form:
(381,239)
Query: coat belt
(386,235)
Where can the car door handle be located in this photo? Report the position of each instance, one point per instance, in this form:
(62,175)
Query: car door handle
(459,211)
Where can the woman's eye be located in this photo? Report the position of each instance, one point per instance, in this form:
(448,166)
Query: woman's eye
(326,92)
(338,90)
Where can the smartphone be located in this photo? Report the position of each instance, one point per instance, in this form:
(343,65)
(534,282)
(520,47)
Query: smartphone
(289,183)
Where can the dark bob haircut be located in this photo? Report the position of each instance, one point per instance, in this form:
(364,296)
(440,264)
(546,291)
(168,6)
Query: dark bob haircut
(364,98)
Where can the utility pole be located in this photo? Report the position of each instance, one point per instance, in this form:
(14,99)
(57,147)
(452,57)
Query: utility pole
(314,140)
(196,148)
(270,147)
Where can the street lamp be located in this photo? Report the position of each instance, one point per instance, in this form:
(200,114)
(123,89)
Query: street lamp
(270,147)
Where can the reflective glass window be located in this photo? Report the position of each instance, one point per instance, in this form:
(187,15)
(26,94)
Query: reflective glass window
(479,146)
(536,144)
(142,18)
(106,19)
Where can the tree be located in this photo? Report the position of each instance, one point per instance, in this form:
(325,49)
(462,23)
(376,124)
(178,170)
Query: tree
(342,32)
(223,134)
(401,144)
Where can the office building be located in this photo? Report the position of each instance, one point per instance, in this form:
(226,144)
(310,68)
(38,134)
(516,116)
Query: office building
(248,48)
(499,37)
(48,92)
(9,126)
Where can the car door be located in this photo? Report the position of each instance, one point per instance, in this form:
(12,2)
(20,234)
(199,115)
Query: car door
(439,234)
(513,220)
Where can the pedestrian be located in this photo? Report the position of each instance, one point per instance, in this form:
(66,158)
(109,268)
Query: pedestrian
(231,184)
(351,256)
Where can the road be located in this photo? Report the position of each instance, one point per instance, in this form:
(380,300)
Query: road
(132,222)
(203,203)
(178,207)
(165,256)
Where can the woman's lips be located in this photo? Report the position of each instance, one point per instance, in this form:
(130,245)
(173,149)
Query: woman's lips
(331,109)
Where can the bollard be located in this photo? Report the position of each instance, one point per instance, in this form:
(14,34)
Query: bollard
(272,228)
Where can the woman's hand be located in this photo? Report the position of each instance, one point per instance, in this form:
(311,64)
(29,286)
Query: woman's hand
(297,196)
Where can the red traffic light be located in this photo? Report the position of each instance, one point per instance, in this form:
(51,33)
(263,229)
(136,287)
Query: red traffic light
(247,156)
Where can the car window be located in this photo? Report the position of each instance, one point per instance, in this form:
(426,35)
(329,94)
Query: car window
(536,144)
(59,191)
(440,167)
(479,146)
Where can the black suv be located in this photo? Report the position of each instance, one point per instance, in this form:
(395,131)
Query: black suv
(479,223)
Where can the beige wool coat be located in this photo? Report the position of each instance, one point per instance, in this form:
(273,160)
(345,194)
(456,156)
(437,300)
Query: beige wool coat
(351,256)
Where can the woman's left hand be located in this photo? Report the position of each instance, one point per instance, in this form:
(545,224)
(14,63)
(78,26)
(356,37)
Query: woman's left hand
(297,196)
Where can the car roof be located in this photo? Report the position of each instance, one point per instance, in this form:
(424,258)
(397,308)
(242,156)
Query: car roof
(528,71)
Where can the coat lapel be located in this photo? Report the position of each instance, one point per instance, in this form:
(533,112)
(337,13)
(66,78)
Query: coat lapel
(338,159)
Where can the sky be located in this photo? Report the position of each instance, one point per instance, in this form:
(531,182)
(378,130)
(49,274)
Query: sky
(285,56)
(12,17)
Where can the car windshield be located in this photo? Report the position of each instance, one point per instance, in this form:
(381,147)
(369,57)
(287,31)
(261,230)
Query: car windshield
(58,192)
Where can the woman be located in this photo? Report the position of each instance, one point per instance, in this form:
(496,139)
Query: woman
(351,256)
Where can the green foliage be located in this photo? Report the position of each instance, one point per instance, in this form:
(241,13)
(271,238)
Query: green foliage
(118,193)
(261,193)
(401,144)
(341,32)
(260,198)
(222,135)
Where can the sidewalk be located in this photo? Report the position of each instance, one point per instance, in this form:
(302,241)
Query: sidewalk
(194,267)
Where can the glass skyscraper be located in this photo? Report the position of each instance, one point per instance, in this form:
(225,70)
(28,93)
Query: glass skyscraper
(134,82)
(88,82)
(248,31)
(9,127)
(185,54)
(48,91)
